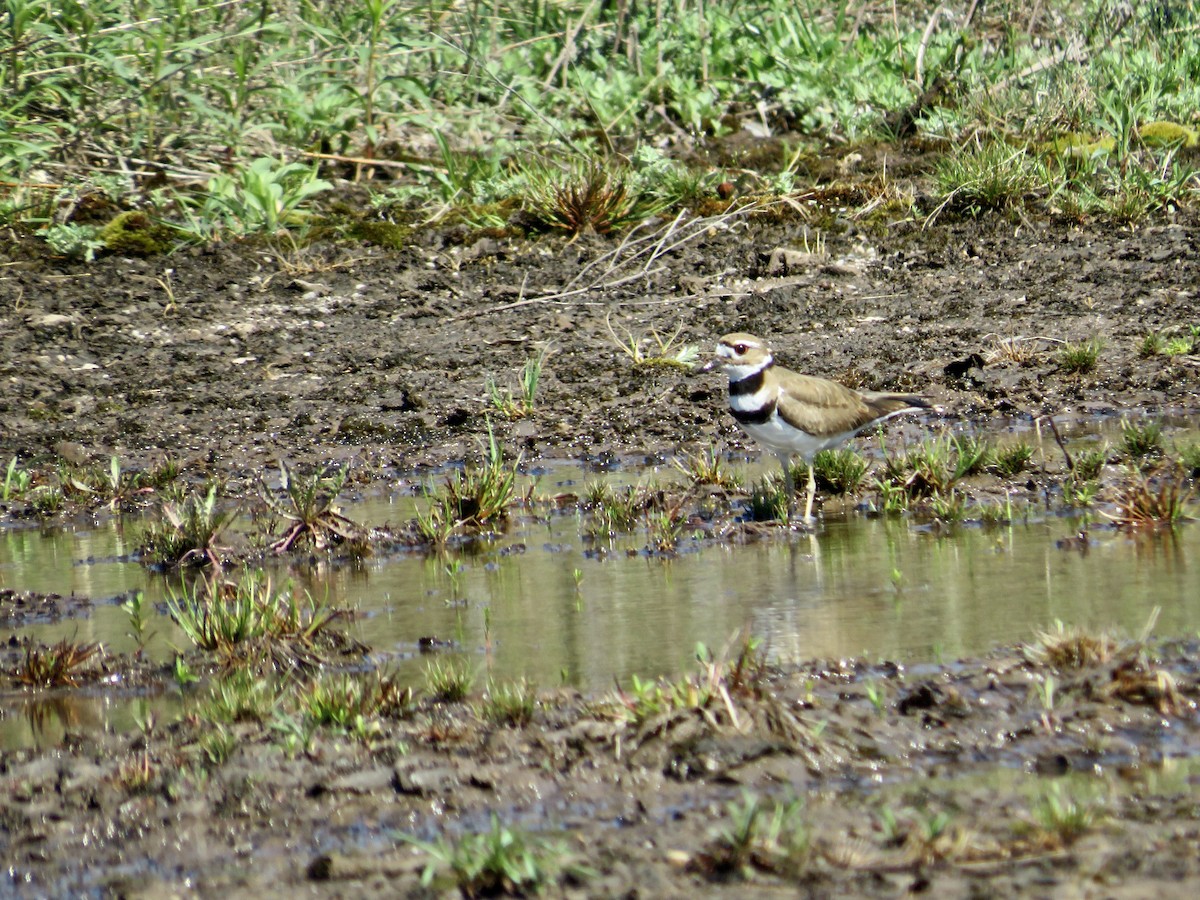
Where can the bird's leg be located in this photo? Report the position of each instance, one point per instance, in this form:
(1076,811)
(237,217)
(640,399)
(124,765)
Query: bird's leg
(812,489)
(789,486)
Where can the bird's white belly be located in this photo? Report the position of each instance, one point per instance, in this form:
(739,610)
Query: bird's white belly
(778,435)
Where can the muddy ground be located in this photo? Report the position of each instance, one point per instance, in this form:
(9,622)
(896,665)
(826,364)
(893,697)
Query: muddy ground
(228,357)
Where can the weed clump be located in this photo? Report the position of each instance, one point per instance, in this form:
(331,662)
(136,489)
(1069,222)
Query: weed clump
(254,622)
(190,532)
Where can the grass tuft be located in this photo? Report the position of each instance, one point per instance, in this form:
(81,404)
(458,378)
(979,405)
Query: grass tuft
(255,621)
(1080,359)
(500,861)
(1142,504)
(189,533)
(1065,647)
(450,680)
(838,471)
(55,665)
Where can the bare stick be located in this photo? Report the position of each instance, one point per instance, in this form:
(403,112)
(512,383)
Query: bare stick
(1061,445)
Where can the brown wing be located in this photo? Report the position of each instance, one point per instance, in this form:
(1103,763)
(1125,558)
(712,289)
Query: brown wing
(821,407)
(826,408)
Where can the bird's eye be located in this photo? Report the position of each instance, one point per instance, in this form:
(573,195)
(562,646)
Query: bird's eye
(739,349)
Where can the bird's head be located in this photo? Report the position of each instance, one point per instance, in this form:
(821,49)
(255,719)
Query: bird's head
(740,354)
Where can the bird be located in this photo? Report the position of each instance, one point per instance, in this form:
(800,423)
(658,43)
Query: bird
(791,413)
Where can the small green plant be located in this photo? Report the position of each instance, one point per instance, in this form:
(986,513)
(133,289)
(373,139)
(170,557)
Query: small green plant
(296,733)
(988,176)
(1189,458)
(615,511)
(972,454)
(499,861)
(267,197)
(838,471)
(55,665)
(182,672)
(351,702)
(309,507)
(135,607)
(950,507)
(934,465)
(1087,464)
(255,620)
(653,350)
(72,240)
(1140,441)
(1153,344)
(46,500)
(1081,358)
(664,528)
(509,703)
(1079,493)
(992,515)
(1183,345)
(241,696)
(1066,817)
(1045,688)
(1010,460)
(449,681)
(119,486)
(769,501)
(218,745)
(649,698)
(771,839)
(877,693)
(517,407)
(590,196)
(708,467)
(16,481)
(189,533)
(892,499)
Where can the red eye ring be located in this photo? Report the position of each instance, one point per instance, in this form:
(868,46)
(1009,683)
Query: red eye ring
(739,349)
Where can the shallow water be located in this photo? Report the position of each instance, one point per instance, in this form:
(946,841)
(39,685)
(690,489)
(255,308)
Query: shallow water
(540,602)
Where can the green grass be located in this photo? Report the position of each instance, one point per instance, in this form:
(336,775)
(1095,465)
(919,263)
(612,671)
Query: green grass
(241,696)
(708,467)
(1066,815)
(257,620)
(449,680)
(216,120)
(521,404)
(1011,460)
(475,497)
(307,506)
(988,177)
(837,471)
(345,700)
(1080,358)
(757,834)
(1088,463)
(509,703)
(500,861)
(768,501)
(1189,458)
(1141,440)
(189,532)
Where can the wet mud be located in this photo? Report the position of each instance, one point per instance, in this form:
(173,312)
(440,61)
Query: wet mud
(956,780)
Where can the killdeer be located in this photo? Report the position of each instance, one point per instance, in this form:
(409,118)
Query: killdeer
(790,413)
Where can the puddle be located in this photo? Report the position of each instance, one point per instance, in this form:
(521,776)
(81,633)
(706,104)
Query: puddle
(540,603)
